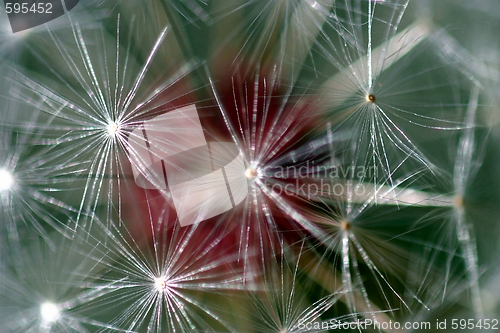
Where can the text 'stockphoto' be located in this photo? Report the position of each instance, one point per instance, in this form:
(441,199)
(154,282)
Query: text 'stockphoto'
(249,166)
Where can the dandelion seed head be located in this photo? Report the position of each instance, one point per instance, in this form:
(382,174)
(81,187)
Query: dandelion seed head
(49,312)
(6,180)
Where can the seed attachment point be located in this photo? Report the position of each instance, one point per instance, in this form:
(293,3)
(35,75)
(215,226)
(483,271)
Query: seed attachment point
(6,180)
(113,128)
(251,173)
(161,284)
(345,225)
(458,202)
(49,312)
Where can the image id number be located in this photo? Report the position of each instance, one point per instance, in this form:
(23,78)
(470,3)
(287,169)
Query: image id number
(474,324)
(24,8)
